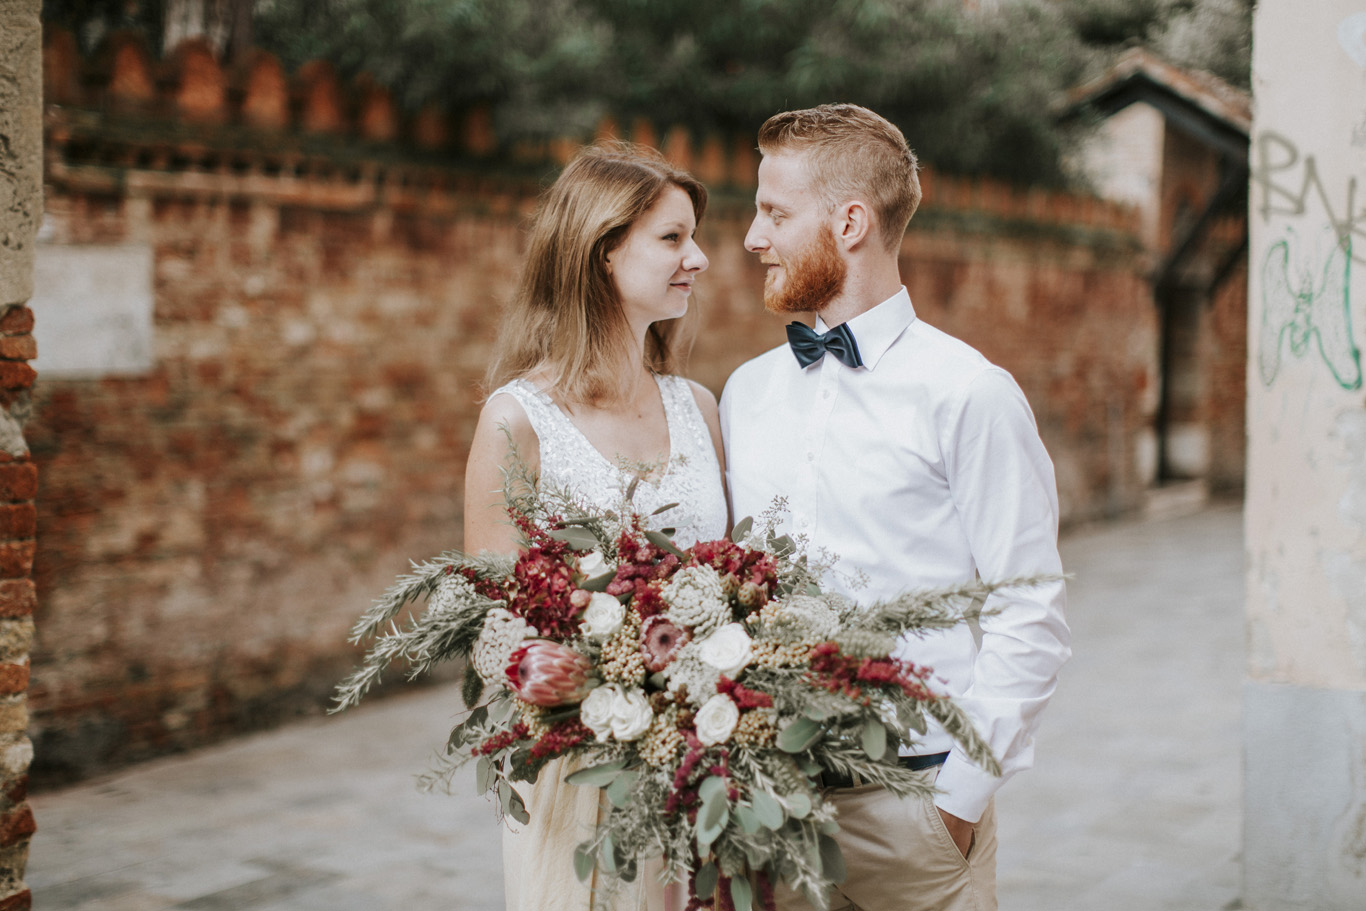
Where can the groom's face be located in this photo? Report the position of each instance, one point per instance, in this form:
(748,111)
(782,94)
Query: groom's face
(794,238)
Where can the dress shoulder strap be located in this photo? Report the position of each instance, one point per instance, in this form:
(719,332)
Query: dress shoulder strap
(543,414)
(681,407)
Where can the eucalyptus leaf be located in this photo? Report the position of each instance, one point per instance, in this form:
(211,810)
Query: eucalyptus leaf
(829,827)
(597,776)
(483,773)
(619,791)
(583,863)
(798,805)
(747,819)
(706,879)
(517,809)
(598,583)
(710,789)
(741,529)
(741,893)
(782,546)
(661,540)
(832,859)
(799,735)
(504,793)
(874,739)
(501,710)
(767,809)
(665,508)
(711,820)
(607,855)
(576,537)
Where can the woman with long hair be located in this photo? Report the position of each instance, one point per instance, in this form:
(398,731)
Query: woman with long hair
(585,395)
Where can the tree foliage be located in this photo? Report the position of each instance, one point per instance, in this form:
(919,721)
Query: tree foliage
(974,90)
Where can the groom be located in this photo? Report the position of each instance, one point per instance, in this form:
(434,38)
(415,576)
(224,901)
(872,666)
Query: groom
(907,454)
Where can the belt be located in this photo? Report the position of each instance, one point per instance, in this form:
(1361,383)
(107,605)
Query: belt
(831,779)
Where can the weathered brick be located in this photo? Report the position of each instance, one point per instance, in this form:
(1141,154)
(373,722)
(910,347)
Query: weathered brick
(18,347)
(13,679)
(16,639)
(16,826)
(16,375)
(16,320)
(18,481)
(18,521)
(16,558)
(16,789)
(13,715)
(19,901)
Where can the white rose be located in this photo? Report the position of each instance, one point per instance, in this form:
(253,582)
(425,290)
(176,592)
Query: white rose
(631,715)
(593,564)
(611,711)
(715,721)
(728,650)
(596,711)
(603,616)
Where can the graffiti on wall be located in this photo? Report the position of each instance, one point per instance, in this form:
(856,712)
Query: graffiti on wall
(1306,308)
(1306,272)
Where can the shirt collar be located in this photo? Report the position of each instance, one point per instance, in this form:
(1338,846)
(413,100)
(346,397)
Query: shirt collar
(875,329)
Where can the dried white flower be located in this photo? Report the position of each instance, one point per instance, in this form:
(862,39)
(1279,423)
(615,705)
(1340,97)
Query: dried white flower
(503,632)
(697,600)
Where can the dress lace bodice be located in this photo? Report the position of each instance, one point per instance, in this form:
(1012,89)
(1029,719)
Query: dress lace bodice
(692,478)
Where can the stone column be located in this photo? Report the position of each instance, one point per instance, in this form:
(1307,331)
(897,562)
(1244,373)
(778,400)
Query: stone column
(21,208)
(1305,693)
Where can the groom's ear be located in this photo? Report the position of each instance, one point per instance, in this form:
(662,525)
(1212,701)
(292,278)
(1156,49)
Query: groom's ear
(853,224)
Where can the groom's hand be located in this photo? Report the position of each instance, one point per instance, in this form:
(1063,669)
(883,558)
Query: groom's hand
(960,830)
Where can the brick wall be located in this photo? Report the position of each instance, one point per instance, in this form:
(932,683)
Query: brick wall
(326,277)
(20,211)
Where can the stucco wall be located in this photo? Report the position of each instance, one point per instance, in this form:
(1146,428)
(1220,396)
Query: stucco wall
(1306,497)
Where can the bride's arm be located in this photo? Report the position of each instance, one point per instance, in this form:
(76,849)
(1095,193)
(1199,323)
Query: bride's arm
(487,527)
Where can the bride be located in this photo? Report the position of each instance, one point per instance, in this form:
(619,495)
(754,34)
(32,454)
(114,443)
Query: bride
(584,391)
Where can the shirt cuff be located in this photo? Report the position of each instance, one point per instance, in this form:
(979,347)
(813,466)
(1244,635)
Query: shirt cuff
(967,790)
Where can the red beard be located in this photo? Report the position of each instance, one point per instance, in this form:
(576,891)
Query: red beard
(815,277)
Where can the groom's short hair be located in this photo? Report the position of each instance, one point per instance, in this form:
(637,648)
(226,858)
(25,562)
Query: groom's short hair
(852,153)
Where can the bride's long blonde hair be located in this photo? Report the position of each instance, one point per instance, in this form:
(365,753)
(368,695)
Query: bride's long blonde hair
(566,317)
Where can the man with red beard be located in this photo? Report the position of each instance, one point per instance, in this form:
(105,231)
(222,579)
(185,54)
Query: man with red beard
(917,462)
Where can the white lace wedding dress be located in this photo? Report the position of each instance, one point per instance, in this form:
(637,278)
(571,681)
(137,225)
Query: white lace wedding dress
(538,873)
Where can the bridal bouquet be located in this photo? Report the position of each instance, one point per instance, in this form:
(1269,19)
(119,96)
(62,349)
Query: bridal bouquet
(704,690)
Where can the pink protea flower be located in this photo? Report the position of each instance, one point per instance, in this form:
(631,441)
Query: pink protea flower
(660,640)
(547,673)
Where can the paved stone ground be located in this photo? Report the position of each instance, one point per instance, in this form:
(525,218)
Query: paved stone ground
(1134,804)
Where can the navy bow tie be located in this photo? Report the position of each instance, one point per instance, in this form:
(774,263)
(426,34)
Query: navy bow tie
(810,346)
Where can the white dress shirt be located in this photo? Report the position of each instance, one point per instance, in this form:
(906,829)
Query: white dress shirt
(921,468)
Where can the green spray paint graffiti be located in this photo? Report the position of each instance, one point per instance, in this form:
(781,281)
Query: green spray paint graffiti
(1303,303)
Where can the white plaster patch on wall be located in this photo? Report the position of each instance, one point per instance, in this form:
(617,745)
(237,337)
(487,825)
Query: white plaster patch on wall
(1347,569)
(1350,428)
(1347,573)
(93,309)
(1261,647)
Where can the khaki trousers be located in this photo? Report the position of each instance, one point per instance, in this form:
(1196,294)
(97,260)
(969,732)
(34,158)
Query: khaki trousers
(899,857)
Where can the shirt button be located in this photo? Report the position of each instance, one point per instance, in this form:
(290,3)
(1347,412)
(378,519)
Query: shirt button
(811,457)
(825,394)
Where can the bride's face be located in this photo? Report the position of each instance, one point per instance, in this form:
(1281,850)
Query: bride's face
(655,266)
